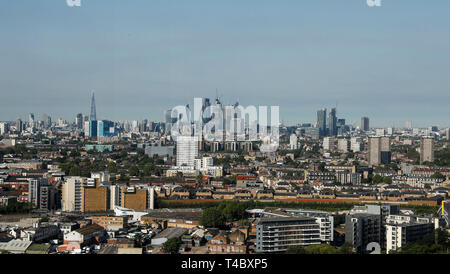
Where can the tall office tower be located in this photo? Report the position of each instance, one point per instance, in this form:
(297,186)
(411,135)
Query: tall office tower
(409,124)
(343,145)
(31,120)
(105,128)
(374,151)
(321,121)
(332,122)
(329,143)
(293,141)
(79,121)
(187,150)
(447,134)
(19,125)
(206,112)
(365,123)
(426,149)
(91,128)
(169,121)
(45,119)
(143,127)
(93,115)
(48,121)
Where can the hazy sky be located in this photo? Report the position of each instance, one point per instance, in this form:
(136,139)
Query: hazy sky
(390,63)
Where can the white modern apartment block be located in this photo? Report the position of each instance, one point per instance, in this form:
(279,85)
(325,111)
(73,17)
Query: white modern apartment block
(187,150)
(328,143)
(293,141)
(323,219)
(204,162)
(71,194)
(401,229)
(343,145)
(355,144)
(380,132)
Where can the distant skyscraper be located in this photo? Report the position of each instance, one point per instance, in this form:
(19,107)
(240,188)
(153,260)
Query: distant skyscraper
(93,115)
(447,134)
(426,149)
(321,121)
(409,124)
(106,128)
(31,121)
(332,122)
(19,125)
(187,150)
(365,123)
(47,120)
(79,121)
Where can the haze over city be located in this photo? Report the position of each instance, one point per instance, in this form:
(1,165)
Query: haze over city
(145,57)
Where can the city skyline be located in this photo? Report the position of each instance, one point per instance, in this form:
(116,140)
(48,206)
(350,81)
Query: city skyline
(326,121)
(300,56)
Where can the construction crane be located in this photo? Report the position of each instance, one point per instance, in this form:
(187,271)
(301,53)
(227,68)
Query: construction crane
(443,213)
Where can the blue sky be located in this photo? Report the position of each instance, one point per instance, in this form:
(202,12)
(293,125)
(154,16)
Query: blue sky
(390,63)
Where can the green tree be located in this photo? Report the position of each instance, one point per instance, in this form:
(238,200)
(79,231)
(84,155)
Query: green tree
(75,171)
(172,246)
(377,179)
(295,250)
(212,217)
(387,180)
(438,175)
(134,171)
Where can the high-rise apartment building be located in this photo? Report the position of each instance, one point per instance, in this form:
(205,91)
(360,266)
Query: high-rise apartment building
(426,149)
(134,198)
(187,150)
(379,151)
(355,144)
(342,145)
(329,143)
(84,195)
